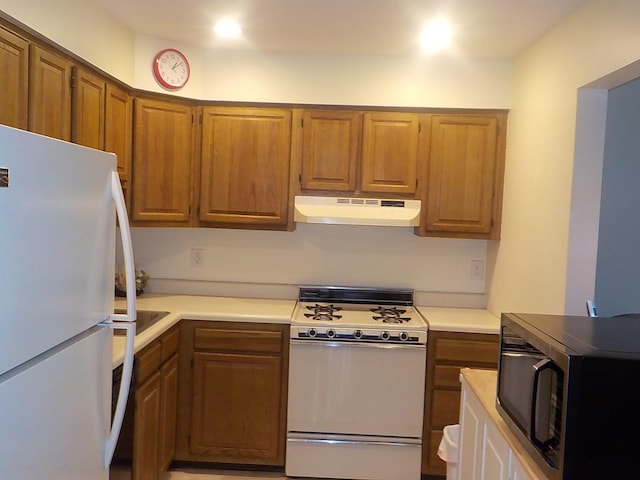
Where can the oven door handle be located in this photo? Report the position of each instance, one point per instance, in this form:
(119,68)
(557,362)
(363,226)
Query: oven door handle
(404,442)
(338,344)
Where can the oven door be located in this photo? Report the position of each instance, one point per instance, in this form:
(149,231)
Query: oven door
(352,388)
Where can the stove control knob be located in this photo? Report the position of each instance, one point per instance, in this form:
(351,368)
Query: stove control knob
(331,333)
(357,334)
(404,336)
(312,332)
(385,335)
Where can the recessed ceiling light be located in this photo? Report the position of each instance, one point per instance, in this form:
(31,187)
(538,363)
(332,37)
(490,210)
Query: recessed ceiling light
(436,35)
(227,28)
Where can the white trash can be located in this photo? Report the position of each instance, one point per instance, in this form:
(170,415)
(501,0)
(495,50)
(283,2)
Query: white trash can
(448,450)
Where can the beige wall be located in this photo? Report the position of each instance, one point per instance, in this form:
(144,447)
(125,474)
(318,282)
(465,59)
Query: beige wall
(531,261)
(314,254)
(333,79)
(83,27)
(86,29)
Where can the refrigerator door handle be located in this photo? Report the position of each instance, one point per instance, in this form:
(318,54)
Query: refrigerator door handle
(124,321)
(127,250)
(125,384)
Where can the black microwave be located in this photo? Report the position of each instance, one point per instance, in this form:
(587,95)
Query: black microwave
(568,389)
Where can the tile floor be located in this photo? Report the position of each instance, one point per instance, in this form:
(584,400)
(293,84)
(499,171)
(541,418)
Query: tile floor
(202,474)
(199,474)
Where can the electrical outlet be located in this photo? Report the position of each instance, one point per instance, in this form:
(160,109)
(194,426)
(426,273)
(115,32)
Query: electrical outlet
(477,269)
(197,257)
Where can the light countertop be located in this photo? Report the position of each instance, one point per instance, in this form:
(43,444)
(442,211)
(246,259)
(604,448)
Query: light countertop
(467,320)
(484,384)
(193,307)
(201,308)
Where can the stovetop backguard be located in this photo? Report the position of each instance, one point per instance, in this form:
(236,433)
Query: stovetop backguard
(358,295)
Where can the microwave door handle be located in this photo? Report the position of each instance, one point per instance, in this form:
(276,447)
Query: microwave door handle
(538,368)
(521,354)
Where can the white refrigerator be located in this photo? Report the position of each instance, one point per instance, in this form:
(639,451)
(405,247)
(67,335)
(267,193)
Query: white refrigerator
(58,207)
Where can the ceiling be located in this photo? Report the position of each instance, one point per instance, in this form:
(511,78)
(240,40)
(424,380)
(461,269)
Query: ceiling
(497,29)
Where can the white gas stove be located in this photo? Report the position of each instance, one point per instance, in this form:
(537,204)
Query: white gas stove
(356,384)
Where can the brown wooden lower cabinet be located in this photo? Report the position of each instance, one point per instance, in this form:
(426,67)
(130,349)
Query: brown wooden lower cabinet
(147,439)
(447,353)
(168,412)
(232,396)
(147,427)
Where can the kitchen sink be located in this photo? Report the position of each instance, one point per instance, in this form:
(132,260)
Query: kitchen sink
(144,320)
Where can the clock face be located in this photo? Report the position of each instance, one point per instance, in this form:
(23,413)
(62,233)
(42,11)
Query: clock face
(171,69)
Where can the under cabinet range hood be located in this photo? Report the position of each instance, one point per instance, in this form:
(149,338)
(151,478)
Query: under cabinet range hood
(357,211)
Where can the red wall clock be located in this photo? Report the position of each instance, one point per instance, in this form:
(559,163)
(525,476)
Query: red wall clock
(171,68)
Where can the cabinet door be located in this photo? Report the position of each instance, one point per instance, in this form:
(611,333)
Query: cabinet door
(236,407)
(330,148)
(390,152)
(146,428)
(14,81)
(168,408)
(472,419)
(232,399)
(162,162)
(118,131)
(518,472)
(244,178)
(49,94)
(89,92)
(465,175)
(495,454)
(445,408)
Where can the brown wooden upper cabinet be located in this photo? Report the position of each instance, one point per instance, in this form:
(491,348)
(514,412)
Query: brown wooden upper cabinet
(162,162)
(391,152)
(89,91)
(49,94)
(465,172)
(330,150)
(118,130)
(360,153)
(102,118)
(14,78)
(252,160)
(244,168)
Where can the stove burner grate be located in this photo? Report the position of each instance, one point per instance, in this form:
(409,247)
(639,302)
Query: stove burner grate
(323,313)
(390,314)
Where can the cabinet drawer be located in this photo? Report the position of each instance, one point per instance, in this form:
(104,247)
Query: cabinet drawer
(148,361)
(463,351)
(435,437)
(170,342)
(446,376)
(445,408)
(231,340)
